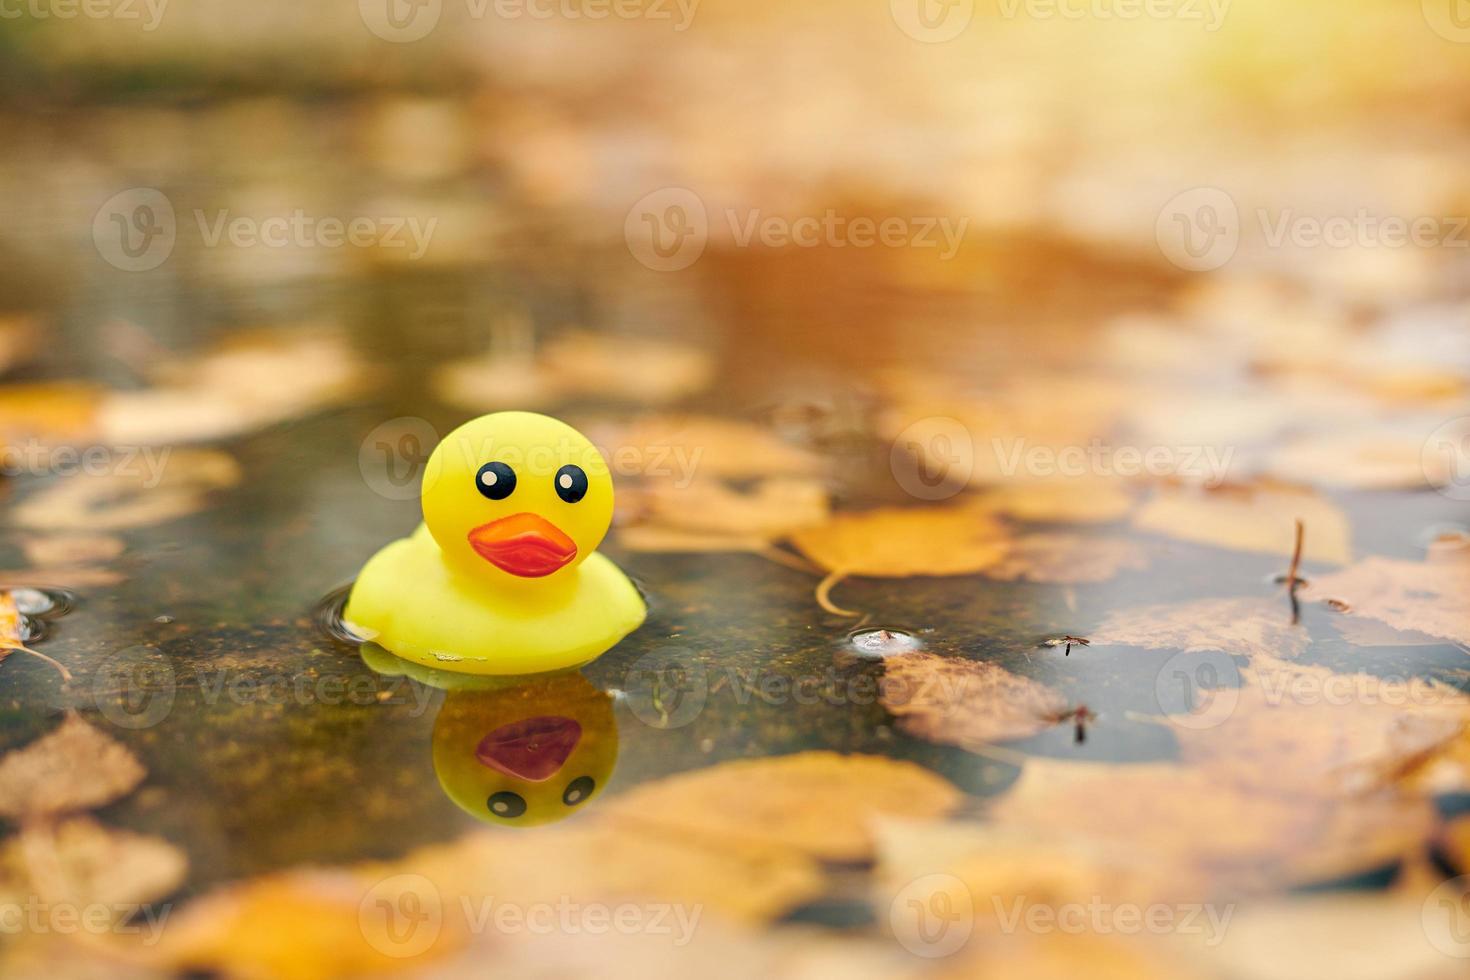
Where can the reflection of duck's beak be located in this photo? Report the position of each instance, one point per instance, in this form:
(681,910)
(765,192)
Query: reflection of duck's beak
(533,749)
(523,544)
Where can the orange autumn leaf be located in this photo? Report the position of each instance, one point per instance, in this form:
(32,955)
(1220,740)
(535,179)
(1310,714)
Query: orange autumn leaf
(901,542)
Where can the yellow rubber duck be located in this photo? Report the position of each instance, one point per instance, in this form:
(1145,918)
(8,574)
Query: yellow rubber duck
(503,577)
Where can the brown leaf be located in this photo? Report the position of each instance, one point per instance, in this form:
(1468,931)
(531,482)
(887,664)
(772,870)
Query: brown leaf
(967,703)
(75,767)
(900,542)
(1067,559)
(1245,627)
(72,549)
(1093,500)
(1249,518)
(770,510)
(709,446)
(816,803)
(79,861)
(577,364)
(257,379)
(1424,597)
(129,496)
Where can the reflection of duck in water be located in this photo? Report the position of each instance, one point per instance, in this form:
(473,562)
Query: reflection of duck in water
(504,576)
(517,752)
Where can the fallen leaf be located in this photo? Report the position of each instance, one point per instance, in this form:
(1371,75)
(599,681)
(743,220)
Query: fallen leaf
(1373,460)
(663,540)
(900,542)
(18,335)
(816,803)
(968,703)
(1257,518)
(577,364)
(1068,559)
(1423,597)
(256,380)
(72,549)
(49,412)
(1246,627)
(129,496)
(327,923)
(81,862)
(771,509)
(1093,500)
(680,445)
(75,767)
(1327,936)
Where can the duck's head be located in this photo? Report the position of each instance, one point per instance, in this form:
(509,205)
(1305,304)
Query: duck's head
(517,496)
(526,755)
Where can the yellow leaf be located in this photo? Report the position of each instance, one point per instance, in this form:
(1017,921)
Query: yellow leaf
(1067,559)
(1425,597)
(967,703)
(1250,518)
(900,542)
(816,803)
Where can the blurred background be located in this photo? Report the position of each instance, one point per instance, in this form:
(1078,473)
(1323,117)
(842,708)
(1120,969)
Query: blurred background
(842,255)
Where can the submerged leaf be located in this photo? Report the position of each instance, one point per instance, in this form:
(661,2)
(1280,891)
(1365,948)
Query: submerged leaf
(1244,627)
(1249,518)
(75,767)
(901,542)
(816,803)
(1425,597)
(968,703)
(1069,559)
(132,496)
(84,863)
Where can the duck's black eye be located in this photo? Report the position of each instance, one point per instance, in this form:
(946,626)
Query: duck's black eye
(578,790)
(495,480)
(571,483)
(507,804)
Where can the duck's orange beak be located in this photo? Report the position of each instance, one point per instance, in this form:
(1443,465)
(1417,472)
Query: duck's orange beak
(527,545)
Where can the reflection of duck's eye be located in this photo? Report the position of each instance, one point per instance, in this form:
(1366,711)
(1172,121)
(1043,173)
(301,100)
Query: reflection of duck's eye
(578,790)
(571,483)
(507,804)
(495,480)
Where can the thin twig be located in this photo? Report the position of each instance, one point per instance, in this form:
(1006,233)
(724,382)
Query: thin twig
(1292,580)
(65,674)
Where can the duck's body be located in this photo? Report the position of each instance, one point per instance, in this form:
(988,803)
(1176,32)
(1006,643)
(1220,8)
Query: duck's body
(411,601)
(503,576)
